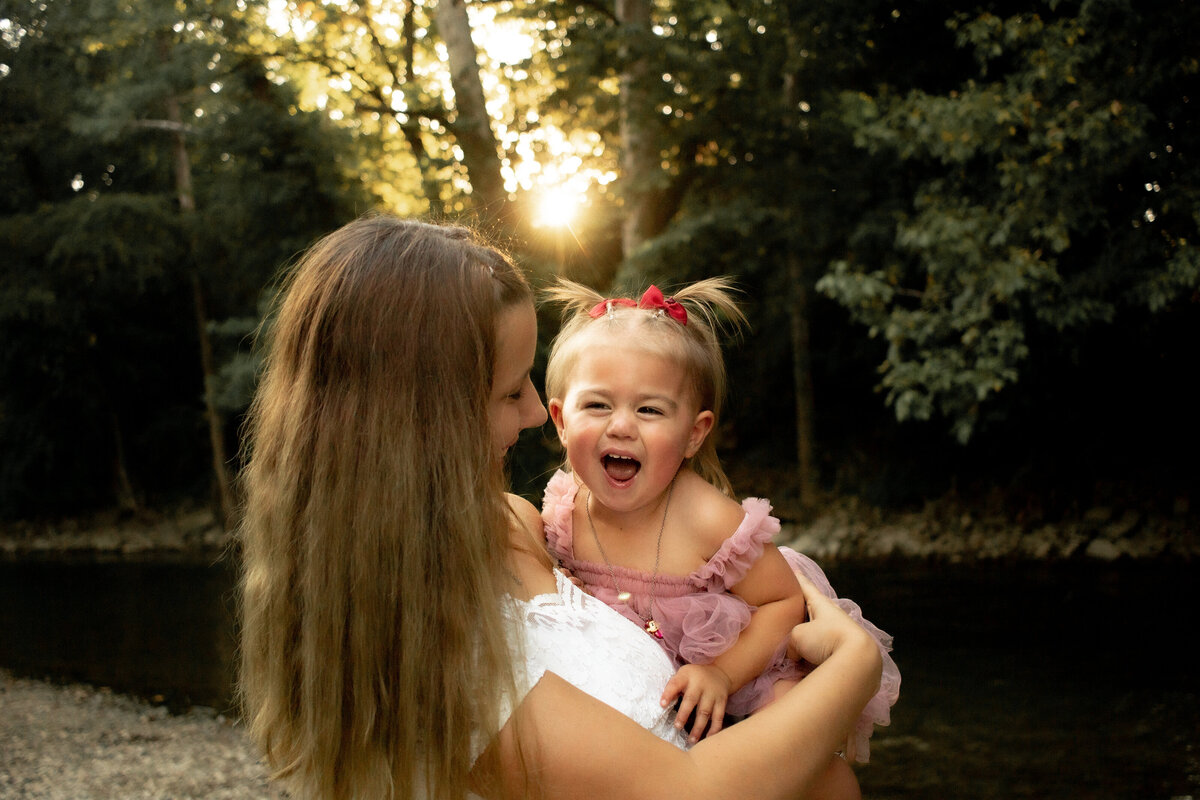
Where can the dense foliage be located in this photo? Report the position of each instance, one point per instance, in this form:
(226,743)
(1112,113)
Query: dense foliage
(100,375)
(966,232)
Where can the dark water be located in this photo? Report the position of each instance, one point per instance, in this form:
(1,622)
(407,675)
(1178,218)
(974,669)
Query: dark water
(164,631)
(1063,681)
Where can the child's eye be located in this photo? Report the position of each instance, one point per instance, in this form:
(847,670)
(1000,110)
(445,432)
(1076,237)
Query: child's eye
(650,410)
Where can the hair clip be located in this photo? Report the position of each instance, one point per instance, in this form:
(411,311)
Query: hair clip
(605,307)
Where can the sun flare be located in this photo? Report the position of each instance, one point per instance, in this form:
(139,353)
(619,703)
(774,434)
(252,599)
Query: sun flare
(558,207)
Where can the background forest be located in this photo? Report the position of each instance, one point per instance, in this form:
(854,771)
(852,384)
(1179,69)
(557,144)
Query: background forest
(967,232)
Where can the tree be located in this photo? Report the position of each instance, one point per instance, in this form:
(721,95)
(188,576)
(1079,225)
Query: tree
(404,77)
(1054,193)
(733,170)
(471,123)
(98,384)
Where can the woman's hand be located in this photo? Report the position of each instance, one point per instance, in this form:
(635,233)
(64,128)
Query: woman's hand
(827,628)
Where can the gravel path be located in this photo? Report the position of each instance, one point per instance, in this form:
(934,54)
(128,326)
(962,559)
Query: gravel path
(76,742)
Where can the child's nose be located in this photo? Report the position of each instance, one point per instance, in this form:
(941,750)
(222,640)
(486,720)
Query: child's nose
(621,423)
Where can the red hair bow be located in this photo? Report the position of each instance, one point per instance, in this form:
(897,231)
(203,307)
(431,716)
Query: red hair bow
(652,300)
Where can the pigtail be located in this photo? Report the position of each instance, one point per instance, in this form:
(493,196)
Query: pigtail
(713,315)
(575,298)
(714,301)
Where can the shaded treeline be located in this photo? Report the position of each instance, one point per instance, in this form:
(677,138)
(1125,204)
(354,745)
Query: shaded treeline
(966,233)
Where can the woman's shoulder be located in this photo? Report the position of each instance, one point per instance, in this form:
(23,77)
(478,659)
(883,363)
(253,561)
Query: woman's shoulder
(525,530)
(525,512)
(530,564)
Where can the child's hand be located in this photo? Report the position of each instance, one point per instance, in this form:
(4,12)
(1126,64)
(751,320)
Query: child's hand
(704,688)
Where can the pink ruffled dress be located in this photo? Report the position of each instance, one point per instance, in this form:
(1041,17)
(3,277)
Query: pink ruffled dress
(698,616)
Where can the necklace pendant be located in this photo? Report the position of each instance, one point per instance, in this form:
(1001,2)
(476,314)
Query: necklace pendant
(624,597)
(652,629)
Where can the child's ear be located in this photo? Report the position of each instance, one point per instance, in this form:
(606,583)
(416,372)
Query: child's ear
(556,416)
(701,427)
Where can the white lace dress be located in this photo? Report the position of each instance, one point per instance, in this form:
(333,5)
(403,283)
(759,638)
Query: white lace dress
(594,648)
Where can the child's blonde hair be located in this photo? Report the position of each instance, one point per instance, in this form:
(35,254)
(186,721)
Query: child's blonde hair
(694,345)
(375,530)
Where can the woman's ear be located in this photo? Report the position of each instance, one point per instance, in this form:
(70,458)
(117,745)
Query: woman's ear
(555,407)
(701,427)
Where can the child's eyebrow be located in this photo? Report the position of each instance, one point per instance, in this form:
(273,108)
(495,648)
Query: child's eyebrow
(658,398)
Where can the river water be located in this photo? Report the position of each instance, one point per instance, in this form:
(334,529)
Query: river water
(1046,681)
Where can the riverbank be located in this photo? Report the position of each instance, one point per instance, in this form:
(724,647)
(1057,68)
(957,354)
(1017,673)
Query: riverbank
(1012,701)
(944,530)
(77,742)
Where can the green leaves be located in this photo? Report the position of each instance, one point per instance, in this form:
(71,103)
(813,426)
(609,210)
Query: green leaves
(1023,215)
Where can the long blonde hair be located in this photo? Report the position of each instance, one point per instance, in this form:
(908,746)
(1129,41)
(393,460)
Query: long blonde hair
(712,308)
(375,531)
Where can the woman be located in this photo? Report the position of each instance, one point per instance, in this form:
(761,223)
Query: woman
(389,583)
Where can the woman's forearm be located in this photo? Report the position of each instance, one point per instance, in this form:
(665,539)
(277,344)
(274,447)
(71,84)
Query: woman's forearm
(786,745)
(574,747)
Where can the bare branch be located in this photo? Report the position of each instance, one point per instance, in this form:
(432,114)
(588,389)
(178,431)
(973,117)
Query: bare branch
(162,125)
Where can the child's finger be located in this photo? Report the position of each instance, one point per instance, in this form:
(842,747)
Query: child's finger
(718,717)
(672,690)
(686,706)
(702,718)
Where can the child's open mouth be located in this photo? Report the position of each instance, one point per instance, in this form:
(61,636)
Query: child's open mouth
(620,468)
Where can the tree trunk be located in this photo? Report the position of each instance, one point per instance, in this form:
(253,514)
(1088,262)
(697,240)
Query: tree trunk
(216,425)
(403,75)
(639,156)
(799,313)
(472,127)
(806,475)
(126,497)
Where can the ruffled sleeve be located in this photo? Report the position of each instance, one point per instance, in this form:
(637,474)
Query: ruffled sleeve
(558,504)
(879,709)
(738,553)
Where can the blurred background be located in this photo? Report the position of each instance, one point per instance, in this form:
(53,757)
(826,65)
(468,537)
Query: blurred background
(966,234)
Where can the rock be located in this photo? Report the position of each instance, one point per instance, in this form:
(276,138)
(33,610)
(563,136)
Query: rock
(1103,549)
(1122,527)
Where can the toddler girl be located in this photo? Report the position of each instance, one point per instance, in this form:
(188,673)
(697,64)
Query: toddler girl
(644,518)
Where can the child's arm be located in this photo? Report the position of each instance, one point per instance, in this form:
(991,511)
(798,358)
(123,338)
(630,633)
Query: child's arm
(771,586)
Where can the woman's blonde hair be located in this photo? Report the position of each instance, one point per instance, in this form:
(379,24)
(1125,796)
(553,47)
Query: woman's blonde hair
(375,531)
(695,346)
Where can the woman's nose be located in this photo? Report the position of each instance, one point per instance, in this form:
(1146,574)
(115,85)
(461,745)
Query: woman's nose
(534,413)
(537,413)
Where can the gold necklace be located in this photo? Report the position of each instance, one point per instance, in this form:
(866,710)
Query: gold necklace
(651,626)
